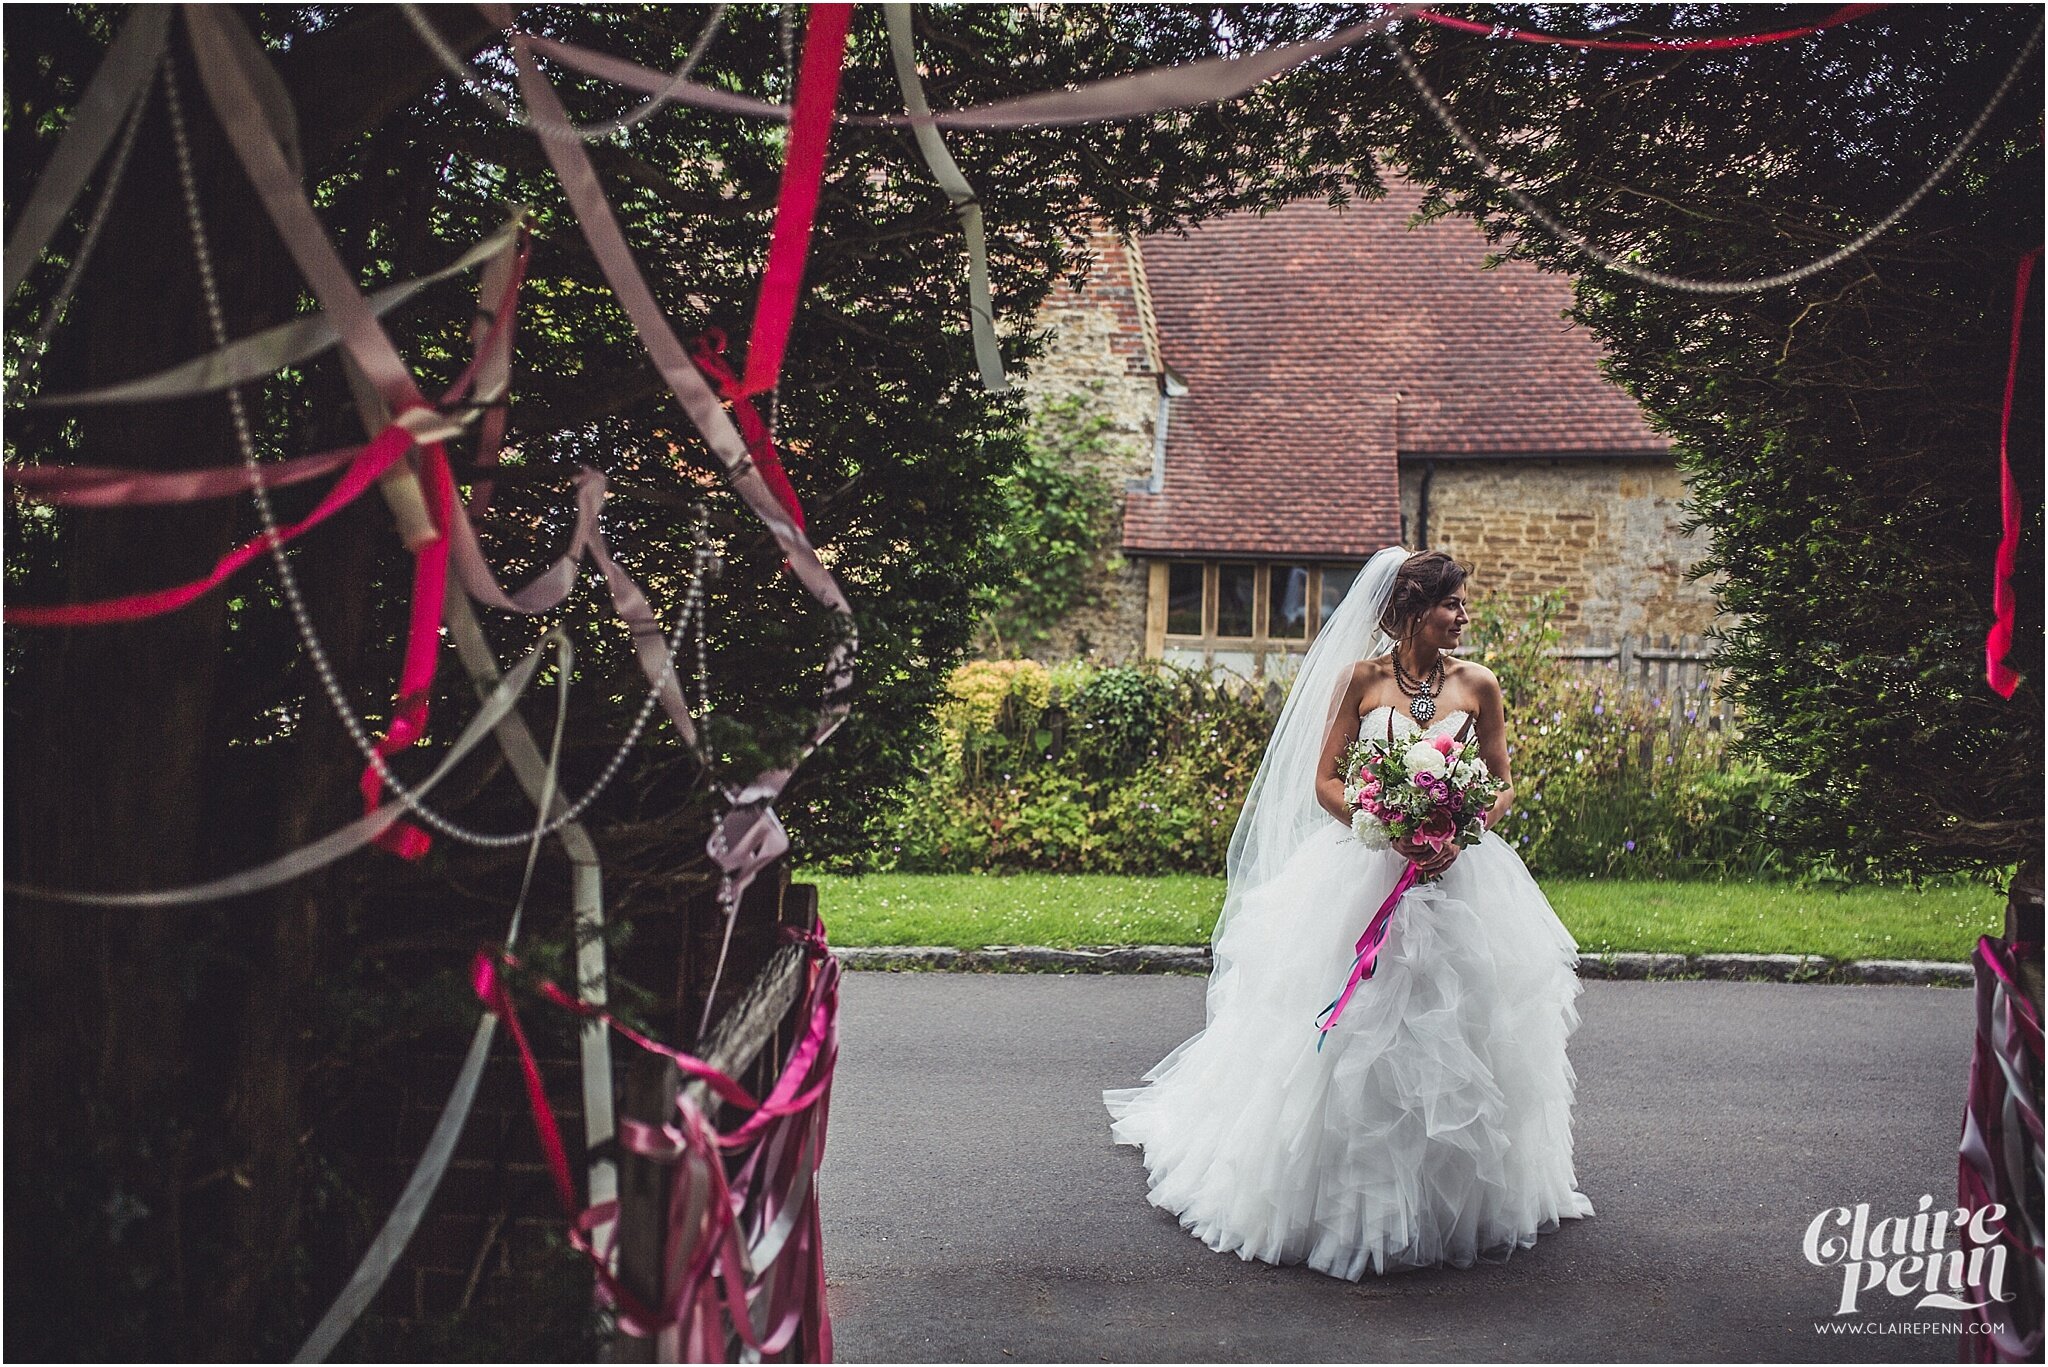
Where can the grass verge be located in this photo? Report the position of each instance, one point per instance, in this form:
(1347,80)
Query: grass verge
(1066,911)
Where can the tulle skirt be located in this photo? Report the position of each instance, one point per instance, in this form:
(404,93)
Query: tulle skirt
(1435,1124)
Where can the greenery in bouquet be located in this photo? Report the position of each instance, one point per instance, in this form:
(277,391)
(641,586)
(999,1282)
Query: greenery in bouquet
(1434,790)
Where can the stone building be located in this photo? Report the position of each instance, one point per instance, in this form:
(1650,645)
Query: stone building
(1292,391)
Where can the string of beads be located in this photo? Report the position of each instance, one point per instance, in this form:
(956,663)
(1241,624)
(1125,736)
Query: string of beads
(316,651)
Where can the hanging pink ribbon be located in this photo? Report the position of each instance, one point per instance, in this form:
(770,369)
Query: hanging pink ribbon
(1998,641)
(111,486)
(2001,1125)
(803,173)
(789,245)
(1366,953)
(430,581)
(786,1131)
(1844,15)
(708,351)
(365,465)
(422,648)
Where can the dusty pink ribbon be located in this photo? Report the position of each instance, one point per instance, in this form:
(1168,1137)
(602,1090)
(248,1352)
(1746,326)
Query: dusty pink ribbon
(785,1130)
(112,486)
(364,466)
(2001,1125)
(1715,43)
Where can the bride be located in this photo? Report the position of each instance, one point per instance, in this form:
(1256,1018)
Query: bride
(1435,1123)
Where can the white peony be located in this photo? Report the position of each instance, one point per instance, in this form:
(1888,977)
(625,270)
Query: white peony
(1423,757)
(1371,830)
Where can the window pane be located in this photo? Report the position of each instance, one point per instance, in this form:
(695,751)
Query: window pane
(1336,583)
(1236,588)
(1184,599)
(1287,603)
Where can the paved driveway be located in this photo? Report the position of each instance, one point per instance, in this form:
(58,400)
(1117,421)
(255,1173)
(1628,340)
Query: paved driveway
(975,1210)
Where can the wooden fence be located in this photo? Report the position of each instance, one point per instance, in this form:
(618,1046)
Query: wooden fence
(1678,673)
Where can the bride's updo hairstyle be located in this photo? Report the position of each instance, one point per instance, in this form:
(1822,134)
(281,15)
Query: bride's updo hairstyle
(1425,579)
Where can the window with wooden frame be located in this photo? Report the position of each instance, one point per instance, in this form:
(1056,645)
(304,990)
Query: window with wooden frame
(1237,605)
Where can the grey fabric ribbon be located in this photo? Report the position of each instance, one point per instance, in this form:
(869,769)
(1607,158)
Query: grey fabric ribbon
(1117,97)
(246,120)
(399,1226)
(324,851)
(122,77)
(981,305)
(263,353)
(734,844)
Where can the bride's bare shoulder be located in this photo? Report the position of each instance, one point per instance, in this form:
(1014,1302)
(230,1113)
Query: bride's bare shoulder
(1471,671)
(1473,679)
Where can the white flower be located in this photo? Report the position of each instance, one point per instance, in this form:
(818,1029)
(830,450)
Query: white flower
(1423,757)
(1371,830)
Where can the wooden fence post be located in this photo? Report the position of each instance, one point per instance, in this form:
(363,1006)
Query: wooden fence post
(651,1086)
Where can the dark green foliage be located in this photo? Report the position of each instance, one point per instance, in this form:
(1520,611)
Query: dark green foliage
(1058,529)
(1077,769)
(1124,714)
(896,453)
(1144,770)
(1841,435)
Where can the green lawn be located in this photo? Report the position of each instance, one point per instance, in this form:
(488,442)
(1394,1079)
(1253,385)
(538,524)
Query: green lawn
(1065,911)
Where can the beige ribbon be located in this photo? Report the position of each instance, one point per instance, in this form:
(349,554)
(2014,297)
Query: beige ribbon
(123,76)
(981,306)
(261,354)
(1137,95)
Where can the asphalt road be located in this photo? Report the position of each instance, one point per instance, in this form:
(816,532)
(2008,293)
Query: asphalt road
(975,1210)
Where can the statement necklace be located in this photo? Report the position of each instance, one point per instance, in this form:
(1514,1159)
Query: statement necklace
(1423,691)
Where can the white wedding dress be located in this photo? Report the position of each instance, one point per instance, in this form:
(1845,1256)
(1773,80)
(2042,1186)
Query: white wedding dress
(1435,1124)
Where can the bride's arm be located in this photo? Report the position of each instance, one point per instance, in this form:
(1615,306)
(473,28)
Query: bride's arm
(1343,730)
(1493,745)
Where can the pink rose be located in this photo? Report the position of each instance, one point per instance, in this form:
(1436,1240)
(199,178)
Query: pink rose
(1444,745)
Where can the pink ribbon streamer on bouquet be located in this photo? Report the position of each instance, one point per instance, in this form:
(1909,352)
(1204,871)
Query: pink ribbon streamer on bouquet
(1844,15)
(365,465)
(767,1308)
(1366,954)
(2004,680)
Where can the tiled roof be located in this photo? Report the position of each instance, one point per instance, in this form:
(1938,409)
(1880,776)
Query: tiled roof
(1317,344)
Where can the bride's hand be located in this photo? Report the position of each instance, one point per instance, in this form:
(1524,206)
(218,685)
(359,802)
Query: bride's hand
(1431,863)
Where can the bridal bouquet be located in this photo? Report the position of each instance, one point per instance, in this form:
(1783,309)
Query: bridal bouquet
(1434,789)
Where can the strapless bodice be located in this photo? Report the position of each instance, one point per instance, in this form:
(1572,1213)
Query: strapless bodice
(1374,723)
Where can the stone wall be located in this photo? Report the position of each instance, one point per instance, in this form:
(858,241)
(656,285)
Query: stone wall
(1102,348)
(1607,532)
